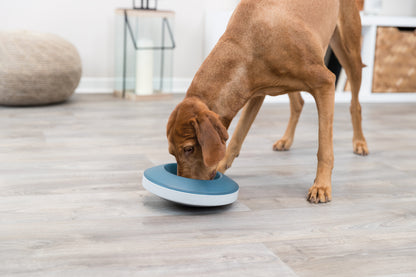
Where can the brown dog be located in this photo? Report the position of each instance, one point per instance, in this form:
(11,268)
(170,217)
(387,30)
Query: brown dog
(270,47)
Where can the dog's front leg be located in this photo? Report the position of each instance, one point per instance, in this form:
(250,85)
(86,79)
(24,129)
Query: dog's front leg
(296,105)
(248,115)
(324,98)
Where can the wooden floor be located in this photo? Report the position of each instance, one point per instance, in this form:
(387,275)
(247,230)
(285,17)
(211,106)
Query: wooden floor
(72,204)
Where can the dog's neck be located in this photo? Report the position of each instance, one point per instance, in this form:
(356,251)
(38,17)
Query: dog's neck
(221,82)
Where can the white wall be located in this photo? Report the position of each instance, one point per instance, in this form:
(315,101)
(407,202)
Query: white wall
(398,7)
(90,26)
(87,24)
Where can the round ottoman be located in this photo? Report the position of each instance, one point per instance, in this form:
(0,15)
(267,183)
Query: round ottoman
(37,68)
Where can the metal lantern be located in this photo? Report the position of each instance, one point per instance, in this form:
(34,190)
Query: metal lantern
(144,44)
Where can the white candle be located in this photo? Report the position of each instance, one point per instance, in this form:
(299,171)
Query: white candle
(144,68)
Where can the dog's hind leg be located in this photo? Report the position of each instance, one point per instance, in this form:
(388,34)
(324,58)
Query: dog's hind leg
(296,105)
(346,45)
(247,117)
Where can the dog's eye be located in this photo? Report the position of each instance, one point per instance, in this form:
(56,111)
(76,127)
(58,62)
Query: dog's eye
(188,149)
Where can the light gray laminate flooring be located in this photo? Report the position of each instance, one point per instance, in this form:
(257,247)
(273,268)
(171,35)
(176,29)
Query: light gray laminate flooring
(72,204)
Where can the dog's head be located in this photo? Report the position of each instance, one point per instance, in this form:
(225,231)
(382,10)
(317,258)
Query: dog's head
(196,138)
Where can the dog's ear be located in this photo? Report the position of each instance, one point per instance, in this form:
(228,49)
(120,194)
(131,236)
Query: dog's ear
(211,135)
(171,121)
(169,130)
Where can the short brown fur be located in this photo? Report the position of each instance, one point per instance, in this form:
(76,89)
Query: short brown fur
(270,47)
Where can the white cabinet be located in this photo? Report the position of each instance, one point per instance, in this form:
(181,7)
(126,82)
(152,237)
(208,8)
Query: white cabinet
(369,32)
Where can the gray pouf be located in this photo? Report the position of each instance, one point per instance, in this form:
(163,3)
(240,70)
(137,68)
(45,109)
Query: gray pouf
(37,68)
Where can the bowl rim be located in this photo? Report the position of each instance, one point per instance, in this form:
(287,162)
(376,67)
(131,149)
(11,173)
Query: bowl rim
(161,175)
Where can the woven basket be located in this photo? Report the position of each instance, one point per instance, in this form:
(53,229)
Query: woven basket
(395,61)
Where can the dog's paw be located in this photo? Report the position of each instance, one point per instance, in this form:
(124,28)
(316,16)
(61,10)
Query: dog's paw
(282,144)
(319,194)
(360,147)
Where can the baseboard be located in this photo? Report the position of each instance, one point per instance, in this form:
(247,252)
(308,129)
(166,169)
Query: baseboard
(95,85)
(106,85)
(345,97)
(181,85)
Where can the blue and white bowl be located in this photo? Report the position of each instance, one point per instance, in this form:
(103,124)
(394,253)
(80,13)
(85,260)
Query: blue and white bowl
(163,181)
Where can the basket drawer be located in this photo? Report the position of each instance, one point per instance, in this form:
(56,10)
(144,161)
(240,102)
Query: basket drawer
(395,60)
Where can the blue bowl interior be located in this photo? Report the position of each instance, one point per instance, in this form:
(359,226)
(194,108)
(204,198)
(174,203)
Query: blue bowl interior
(165,176)
(173,169)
